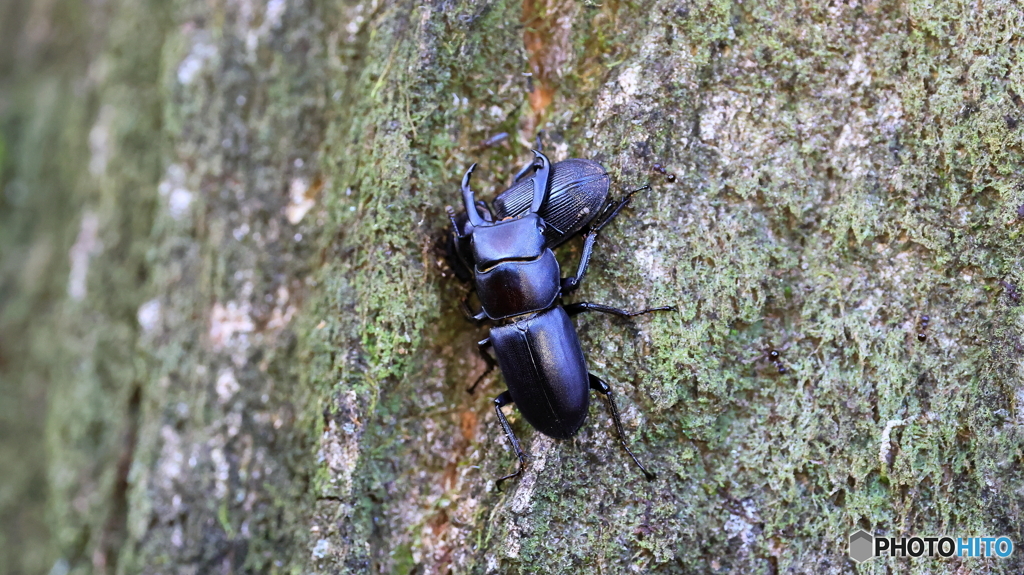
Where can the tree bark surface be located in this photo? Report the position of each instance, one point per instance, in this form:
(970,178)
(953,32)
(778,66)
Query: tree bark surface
(228,324)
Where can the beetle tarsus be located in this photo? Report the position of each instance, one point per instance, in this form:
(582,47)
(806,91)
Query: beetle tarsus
(499,402)
(583,306)
(597,384)
(474,318)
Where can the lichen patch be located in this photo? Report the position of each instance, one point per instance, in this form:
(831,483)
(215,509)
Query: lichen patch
(81,253)
(149,315)
(301,198)
(100,145)
(200,55)
(228,321)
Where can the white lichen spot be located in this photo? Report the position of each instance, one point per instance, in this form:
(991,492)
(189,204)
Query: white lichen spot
(149,315)
(240,232)
(228,320)
(890,114)
(86,246)
(523,498)
(1020,403)
(275,10)
(859,73)
(99,141)
(497,113)
(852,136)
(321,549)
(233,423)
(560,151)
(227,385)
(851,145)
(301,199)
(175,176)
(650,259)
(178,202)
(742,526)
(171,457)
(512,543)
(885,444)
(629,80)
(247,17)
(222,472)
(196,60)
(283,312)
(719,115)
(175,192)
(339,445)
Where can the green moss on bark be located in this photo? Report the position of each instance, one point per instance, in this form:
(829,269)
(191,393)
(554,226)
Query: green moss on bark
(272,337)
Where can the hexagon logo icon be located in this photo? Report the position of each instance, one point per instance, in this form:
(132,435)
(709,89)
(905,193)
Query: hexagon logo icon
(862,546)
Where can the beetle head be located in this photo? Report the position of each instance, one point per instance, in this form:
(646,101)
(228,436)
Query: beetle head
(520,239)
(511,239)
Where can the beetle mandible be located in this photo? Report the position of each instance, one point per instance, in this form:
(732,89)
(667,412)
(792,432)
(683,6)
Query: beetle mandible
(508,254)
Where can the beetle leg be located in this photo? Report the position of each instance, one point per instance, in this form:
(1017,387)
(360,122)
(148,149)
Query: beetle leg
(570,284)
(523,171)
(473,317)
(607,215)
(538,145)
(581,307)
(499,402)
(597,384)
(613,209)
(482,346)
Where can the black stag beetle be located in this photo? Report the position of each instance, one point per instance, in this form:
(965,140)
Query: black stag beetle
(518,282)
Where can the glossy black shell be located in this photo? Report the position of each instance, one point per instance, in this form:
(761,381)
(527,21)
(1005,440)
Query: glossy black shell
(545,370)
(579,189)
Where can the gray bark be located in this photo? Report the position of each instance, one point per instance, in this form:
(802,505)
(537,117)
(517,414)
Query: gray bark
(227,324)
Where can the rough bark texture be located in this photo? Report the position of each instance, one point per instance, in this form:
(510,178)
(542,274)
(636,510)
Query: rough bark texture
(226,322)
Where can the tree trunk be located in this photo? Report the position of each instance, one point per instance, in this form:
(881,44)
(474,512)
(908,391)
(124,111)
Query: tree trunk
(228,323)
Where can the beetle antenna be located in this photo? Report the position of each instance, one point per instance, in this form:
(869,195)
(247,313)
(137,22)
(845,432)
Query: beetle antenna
(455,223)
(598,384)
(469,200)
(612,209)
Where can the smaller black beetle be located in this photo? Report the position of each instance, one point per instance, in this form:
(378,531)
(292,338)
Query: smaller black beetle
(518,282)
(577,192)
